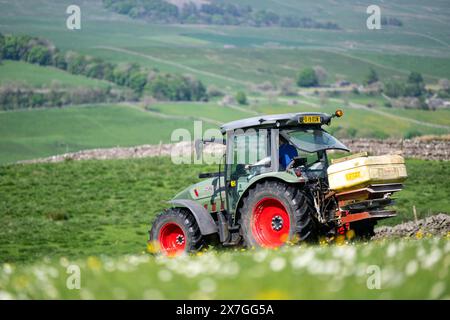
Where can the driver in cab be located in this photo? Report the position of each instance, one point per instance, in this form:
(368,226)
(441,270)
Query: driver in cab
(287,153)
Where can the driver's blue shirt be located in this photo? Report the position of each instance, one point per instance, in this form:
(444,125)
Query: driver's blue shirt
(287,153)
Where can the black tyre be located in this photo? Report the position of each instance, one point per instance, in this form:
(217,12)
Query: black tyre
(274,213)
(175,232)
(364,230)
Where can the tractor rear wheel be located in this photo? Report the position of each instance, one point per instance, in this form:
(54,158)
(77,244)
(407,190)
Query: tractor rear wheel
(274,213)
(175,232)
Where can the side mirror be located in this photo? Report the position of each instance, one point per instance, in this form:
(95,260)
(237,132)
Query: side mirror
(198,144)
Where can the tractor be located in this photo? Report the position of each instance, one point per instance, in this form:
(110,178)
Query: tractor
(276,184)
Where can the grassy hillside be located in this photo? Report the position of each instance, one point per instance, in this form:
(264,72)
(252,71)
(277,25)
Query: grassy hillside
(77,209)
(45,132)
(259,54)
(212,111)
(36,76)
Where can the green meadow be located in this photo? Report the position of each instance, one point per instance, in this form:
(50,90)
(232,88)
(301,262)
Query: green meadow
(34,76)
(82,208)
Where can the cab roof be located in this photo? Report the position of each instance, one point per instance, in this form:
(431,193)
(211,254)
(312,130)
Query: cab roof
(285,119)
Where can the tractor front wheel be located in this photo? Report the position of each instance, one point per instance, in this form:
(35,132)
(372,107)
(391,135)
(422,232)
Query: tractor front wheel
(274,213)
(175,232)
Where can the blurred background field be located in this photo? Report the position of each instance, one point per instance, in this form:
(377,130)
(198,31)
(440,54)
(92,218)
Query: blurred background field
(227,59)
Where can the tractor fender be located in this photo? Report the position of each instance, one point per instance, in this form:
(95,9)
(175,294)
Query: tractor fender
(202,216)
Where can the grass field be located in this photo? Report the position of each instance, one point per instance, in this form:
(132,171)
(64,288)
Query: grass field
(414,269)
(77,209)
(95,215)
(31,75)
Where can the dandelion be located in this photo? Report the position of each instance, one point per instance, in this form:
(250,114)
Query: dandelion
(94,263)
(152,247)
(340,240)
(419,234)
(350,234)
(273,295)
(323,241)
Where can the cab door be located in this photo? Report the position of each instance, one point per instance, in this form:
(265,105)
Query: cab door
(245,149)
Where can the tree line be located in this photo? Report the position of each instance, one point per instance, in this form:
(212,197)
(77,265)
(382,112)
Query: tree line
(142,80)
(216,13)
(15,97)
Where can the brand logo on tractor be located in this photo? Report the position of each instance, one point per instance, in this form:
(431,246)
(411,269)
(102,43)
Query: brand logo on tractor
(353,175)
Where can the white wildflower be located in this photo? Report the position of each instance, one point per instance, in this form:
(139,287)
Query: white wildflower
(207,285)
(277,264)
(165,275)
(437,290)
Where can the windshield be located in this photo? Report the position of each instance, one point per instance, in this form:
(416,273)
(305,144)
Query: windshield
(313,140)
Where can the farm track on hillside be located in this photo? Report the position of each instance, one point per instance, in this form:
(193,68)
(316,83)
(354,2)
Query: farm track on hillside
(175,64)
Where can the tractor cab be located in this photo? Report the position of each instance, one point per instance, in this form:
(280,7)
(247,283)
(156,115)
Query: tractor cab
(295,145)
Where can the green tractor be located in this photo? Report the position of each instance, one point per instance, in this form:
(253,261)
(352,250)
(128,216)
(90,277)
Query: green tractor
(276,185)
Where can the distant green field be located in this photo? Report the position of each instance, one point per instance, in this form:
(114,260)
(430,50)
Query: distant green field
(45,132)
(366,122)
(82,208)
(259,54)
(38,133)
(212,111)
(43,77)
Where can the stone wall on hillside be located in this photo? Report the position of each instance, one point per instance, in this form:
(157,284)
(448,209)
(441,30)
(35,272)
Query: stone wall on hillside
(409,148)
(414,148)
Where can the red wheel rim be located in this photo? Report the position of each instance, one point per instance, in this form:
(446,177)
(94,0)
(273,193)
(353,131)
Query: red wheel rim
(172,240)
(271,223)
